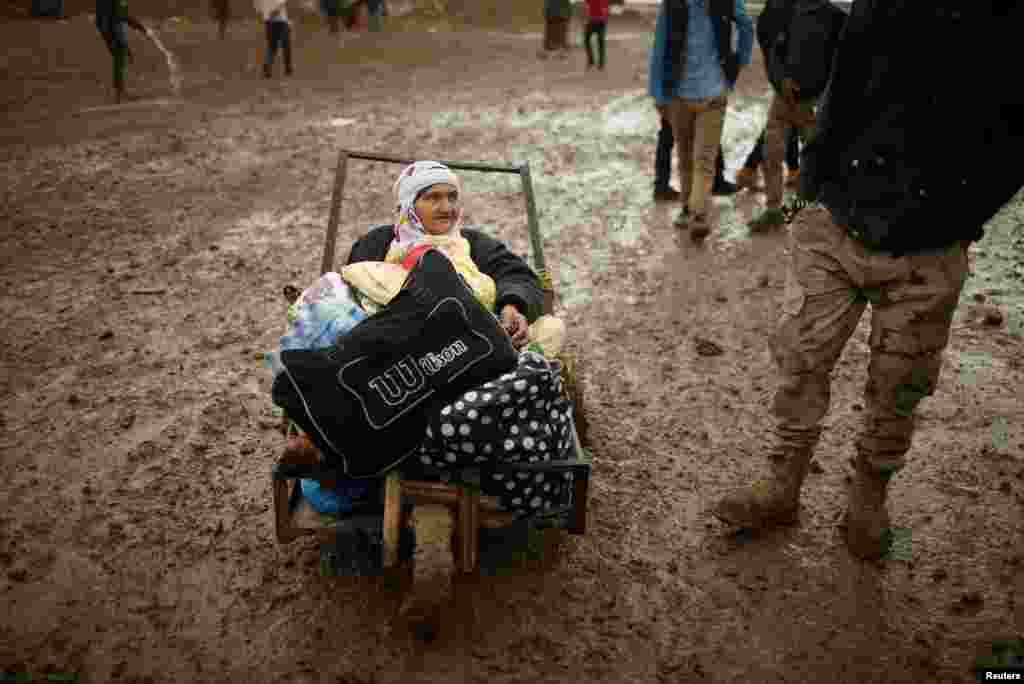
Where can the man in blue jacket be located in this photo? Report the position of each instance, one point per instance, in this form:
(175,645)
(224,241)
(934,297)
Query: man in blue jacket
(901,168)
(692,70)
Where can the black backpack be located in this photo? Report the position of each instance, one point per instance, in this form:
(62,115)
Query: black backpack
(365,402)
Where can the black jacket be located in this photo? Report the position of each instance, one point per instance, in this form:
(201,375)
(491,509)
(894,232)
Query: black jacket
(514,281)
(798,39)
(677,12)
(917,142)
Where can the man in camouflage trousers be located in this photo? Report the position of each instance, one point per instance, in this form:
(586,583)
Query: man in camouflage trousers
(898,168)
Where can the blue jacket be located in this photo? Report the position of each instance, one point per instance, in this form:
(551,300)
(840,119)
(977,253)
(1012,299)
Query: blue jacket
(669,51)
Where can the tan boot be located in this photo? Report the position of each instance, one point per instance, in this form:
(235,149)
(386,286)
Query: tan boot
(768,502)
(868,534)
(747,178)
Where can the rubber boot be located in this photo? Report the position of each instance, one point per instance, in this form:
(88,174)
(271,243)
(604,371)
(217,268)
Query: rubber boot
(867,520)
(771,501)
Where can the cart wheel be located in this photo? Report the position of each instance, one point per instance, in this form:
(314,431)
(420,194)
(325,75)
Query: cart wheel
(572,380)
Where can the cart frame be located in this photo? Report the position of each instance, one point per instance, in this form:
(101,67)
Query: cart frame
(471,510)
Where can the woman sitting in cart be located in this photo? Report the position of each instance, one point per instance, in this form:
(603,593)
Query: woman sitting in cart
(429,215)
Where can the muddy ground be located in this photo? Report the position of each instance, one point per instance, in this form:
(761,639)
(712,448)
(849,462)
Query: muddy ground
(142,253)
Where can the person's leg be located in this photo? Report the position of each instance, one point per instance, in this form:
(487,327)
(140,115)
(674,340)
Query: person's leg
(792,148)
(376,16)
(602,29)
(746,177)
(721,186)
(756,156)
(820,310)
(222,10)
(663,160)
(120,56)
(910,322)
(707,138)
(586,43)
(268,61)
(683,121)
(332,11)
(119,43)
(286,45)
(563,35)
(774,148)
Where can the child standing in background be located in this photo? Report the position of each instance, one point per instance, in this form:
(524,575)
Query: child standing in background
(597,24)
(279,29)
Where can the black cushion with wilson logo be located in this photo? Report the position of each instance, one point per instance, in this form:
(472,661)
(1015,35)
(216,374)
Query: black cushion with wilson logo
(365,402)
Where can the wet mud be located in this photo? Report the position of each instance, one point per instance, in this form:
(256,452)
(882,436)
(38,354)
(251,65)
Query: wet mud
(143,249)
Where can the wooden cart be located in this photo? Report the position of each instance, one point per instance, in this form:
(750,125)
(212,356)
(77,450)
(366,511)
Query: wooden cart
(430,522)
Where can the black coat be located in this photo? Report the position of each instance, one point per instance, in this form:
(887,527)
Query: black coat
(918,141)
(514,281)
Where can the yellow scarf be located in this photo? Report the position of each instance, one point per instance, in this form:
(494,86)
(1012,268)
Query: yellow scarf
(457,249)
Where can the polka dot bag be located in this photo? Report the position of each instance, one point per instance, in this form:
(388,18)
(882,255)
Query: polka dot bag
(520,416)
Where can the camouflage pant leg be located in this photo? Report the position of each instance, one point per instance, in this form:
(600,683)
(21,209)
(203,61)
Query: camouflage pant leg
(820,310)
(913,301)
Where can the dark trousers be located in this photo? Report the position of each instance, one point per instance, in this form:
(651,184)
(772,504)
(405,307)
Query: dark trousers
(112,30)
(663,158)
(278,36)
(222,14)
(556,33)
(756,155)
(599,29)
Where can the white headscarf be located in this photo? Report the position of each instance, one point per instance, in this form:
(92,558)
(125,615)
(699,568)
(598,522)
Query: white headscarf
(413,180)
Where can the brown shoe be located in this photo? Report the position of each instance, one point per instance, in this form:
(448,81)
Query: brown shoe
(668,194)
(699,227)
(747,178)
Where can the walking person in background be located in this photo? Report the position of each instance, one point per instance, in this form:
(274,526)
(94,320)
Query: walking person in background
(222,15)
(375,9)
(798,39)
(901,169)
(331,9)
(279,30)
(557,14)
(357,19)
(692,70)
(111,18)
(597,25)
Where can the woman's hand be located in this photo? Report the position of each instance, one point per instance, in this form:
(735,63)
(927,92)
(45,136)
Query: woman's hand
(515,324)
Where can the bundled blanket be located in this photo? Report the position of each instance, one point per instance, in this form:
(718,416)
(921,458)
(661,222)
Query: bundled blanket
(323,312)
